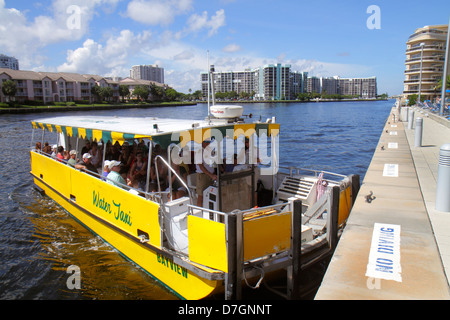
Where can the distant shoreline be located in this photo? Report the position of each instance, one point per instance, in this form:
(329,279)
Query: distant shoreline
(151,105)
(90,107)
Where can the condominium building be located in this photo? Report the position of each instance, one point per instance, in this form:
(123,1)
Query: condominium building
(427,47)
(365,88)
(270,82)
(147,72)
(60,86)
(9,62)
(278,82)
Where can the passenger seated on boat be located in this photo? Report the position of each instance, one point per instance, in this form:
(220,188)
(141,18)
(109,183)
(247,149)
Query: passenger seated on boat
(54,151)
(86,165)
(72,161)
(66,155)
(109,152)
(115,151)
(205,176)
(87,147)
(162,175)
(47,149)
(60,154)
(106,170)
(138,172)
(127,157)
(114,176)
(96,159)
(37,147)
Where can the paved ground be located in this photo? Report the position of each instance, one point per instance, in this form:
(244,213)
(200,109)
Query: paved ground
(402,180)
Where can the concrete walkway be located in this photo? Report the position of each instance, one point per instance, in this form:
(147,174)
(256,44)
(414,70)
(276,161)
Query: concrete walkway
(402,196)
(426,160)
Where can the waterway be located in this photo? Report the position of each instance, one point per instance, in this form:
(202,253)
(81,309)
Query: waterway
(39,240)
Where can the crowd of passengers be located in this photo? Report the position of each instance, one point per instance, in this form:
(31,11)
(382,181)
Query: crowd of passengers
(126,165)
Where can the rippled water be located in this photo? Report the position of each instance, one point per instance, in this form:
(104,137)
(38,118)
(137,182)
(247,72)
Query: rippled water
(39,240)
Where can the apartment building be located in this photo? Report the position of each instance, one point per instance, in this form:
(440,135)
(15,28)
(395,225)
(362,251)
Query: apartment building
(9,62)
(278,82)
(62,87)
(270,82)
(365,88)
(147,72)
(425,46)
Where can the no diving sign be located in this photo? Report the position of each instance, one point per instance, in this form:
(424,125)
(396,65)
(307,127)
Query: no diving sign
(384,257)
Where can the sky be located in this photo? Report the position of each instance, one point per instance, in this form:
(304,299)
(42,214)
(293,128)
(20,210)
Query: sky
(346,38)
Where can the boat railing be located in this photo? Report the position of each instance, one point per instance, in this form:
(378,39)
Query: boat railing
(170,180)
(297,171)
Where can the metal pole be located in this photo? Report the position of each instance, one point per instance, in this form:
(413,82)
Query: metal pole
(231,277)
(149,164)
(444,75)
(209,84)
(420,76)
(293,271)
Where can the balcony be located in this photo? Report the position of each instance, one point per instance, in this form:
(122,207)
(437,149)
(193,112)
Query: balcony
(425,70)
(426,59)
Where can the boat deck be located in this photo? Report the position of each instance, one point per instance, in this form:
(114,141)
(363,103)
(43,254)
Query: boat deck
(403,196)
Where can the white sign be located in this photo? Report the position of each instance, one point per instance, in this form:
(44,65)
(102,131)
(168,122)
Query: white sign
(384,257)
(393,145)
(393,133)
(390,170)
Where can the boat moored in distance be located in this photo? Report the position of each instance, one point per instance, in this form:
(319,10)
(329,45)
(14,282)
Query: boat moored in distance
(253,219)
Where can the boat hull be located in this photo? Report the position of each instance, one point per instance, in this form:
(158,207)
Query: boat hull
(158,263)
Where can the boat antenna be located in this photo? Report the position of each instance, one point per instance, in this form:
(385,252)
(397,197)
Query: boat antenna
(209,83)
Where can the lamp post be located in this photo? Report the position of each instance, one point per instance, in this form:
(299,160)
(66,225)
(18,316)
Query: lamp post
(444,76)
(420,76)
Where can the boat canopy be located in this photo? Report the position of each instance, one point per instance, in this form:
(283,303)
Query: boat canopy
(161,131)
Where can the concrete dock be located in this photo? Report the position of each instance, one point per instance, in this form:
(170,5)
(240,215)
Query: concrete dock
(398,192)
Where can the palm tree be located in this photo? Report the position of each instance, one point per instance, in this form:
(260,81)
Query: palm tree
(9,89)
(439,85)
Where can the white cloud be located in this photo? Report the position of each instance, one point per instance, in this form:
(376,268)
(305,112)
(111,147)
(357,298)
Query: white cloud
(197,22)
(157,12)
(232,48)
(23,38)
(109,59)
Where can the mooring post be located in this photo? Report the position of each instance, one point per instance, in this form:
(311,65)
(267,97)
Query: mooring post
(233,225)
(418,132)
(356,185)
(333,217)
(293,271)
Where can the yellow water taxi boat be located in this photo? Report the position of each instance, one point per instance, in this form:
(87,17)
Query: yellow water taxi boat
(253,222)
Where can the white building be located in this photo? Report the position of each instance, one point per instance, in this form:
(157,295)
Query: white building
(147,72)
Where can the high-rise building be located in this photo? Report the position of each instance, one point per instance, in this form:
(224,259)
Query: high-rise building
(147,72)
(425,46)
(278,82)
(9,62)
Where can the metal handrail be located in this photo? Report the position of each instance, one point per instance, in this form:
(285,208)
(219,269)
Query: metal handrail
(174,172)
(316,172)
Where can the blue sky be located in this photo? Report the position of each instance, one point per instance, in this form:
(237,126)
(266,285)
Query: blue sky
(107,37)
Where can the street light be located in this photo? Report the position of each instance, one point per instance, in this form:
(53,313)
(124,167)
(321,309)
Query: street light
(420,76)
(444,75)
